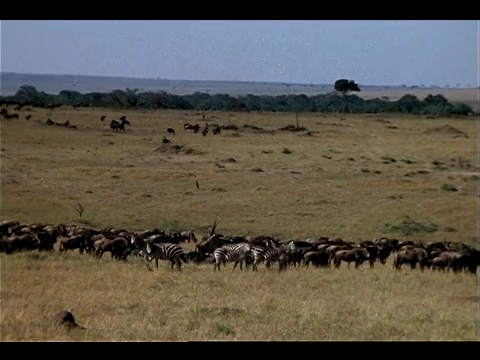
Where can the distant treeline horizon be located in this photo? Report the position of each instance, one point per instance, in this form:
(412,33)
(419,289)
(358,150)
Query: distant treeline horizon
(334,101)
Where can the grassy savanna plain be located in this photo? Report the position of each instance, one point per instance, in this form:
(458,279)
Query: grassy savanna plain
(357,177)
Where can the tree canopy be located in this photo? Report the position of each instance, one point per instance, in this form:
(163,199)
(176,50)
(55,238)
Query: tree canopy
(329,102)
(345,86)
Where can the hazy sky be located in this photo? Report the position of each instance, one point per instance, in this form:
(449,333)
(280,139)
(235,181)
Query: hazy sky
(372,52)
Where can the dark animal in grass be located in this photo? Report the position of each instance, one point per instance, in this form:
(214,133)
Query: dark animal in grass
(118,247)
(358,255)
(317,258)
(65,318)
(194,127)
(411,256)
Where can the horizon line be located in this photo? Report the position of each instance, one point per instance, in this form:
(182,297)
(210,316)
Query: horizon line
(232,81)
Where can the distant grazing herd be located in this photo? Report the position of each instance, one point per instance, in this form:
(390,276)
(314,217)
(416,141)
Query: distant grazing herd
(249,252)
(116,125)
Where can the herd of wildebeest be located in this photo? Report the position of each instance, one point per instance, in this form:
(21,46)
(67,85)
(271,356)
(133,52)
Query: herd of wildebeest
(118,125)
(249,251)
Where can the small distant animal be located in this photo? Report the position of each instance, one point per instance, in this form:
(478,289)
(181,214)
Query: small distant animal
(194,127)
(102,118)
(28,117)
(216,130)
(205,130)
(114,124)
(171,131)
(117,126)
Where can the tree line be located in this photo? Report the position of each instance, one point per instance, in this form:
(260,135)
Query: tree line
(339,100)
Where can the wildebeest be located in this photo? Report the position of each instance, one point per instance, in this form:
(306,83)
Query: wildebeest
(188,236)
(317,258)
(118,247)
(358,255)
(78,241)
(16,243)
(10,116)
(412,256)
(194,127)
(216,129)
(46,239)
(102,118)
(117,126)
(171,131)
(114,124)
(205,130)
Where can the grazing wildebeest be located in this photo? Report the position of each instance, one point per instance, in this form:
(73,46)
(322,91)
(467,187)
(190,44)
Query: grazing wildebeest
(46,239)
(412,256)
(102,118)
(118,247)
(205,130)
(171,131)
(357,255)
(467,259)
(208,245)
(317,258)
(72,243)
(114,124)
(194,127)
(10,116)
(196,257)
(19,242)
(117,126)
(184,236)
(216,129)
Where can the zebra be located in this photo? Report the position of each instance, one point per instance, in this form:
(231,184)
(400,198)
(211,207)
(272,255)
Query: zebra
(270,255)
(231,252)
(164,251)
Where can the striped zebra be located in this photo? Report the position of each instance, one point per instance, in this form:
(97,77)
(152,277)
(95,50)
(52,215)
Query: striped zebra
(231,252)
(270,255)
(164,251)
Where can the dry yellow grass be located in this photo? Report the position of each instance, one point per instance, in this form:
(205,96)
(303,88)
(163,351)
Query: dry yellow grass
(337,181)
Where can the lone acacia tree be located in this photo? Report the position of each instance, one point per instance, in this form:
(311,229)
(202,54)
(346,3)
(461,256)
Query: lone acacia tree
(345,87)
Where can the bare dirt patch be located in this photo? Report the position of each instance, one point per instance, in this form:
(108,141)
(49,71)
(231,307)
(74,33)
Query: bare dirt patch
(446,130)
(176,149)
